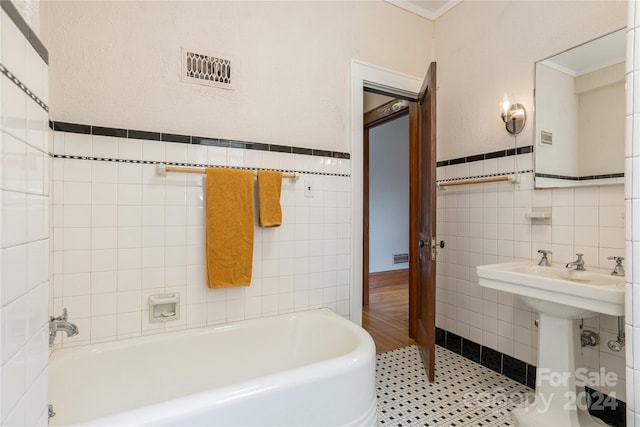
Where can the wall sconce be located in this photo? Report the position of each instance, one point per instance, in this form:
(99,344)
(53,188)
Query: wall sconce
(513,115)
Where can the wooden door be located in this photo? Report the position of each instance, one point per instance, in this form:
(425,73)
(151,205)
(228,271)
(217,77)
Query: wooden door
(422,228)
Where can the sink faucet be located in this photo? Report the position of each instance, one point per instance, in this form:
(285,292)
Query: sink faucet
(60,323)
(578,264)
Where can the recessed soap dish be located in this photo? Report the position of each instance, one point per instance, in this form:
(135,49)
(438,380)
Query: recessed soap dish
(164,308)
(538,215)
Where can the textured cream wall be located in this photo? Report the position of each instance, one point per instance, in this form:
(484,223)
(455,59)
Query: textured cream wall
(116,64)
(487,48)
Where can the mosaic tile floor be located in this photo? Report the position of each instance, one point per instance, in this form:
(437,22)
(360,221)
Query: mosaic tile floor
(464,393)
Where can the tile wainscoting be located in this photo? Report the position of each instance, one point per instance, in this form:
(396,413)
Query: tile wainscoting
(122,233)
(486,223)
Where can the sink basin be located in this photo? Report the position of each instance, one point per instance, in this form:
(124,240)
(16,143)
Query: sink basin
(558,291)
(559,295)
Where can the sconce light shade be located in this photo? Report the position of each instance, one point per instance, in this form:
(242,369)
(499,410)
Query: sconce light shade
(514,118)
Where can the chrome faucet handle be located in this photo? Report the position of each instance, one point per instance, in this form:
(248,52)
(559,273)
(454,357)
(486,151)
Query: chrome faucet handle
(65,316)
(544,261)
(618,270)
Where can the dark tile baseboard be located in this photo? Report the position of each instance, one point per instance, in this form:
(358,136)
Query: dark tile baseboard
(607,408)
(610,410)
(488,357)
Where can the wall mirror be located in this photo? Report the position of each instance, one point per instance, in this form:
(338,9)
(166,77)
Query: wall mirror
(580,114)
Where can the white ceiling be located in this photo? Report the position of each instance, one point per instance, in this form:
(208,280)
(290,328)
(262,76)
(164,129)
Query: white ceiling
(430,9)
(591,56)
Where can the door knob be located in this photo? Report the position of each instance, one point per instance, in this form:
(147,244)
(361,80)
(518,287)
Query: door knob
(421,243)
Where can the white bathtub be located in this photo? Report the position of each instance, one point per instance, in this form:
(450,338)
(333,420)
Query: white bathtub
(308,368)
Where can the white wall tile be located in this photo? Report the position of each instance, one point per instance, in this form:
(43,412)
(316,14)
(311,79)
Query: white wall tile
(77,193)
(158,224)
(14,378)
(14,164)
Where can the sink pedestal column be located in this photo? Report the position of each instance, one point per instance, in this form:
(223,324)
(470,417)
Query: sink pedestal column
(557,402)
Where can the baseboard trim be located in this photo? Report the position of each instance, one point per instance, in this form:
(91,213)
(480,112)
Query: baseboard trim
(381,279)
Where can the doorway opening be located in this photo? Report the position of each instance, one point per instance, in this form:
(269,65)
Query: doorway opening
(385,311)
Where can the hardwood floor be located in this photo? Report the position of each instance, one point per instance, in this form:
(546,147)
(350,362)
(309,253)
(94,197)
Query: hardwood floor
(386,318)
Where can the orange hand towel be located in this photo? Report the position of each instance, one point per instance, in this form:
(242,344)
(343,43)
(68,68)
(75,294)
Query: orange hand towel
(230,225)
(269,189)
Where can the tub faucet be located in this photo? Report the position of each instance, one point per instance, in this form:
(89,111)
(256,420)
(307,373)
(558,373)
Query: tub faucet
(60,323)
(578,264)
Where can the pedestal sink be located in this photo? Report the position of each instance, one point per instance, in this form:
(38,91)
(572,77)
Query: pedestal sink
(559,295)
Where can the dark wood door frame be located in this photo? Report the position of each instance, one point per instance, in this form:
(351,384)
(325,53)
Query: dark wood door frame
(422,203)
(383,114)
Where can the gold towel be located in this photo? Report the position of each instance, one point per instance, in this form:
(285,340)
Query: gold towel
(230,225)
(269,189)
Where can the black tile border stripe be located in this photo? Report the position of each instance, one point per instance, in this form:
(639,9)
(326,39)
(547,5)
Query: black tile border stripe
(580,178)
(118,133)
(485,156)
(24,28)
(193,165)
(22,87)
(607,408)
(187,139)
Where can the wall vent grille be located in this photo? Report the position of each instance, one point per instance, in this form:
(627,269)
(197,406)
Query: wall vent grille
(400,258)
(546,137)
(207,69)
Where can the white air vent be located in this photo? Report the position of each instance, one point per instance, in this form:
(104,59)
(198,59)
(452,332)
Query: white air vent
(400,258)
(546,137)
(207,69)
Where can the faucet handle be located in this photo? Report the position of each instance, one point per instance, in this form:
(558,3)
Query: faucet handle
(618,269)
(65,315)
(544,261)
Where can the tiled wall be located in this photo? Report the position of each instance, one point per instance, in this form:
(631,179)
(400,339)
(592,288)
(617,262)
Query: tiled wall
(632,202)
(24,243)
(122,233)
(486,223)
